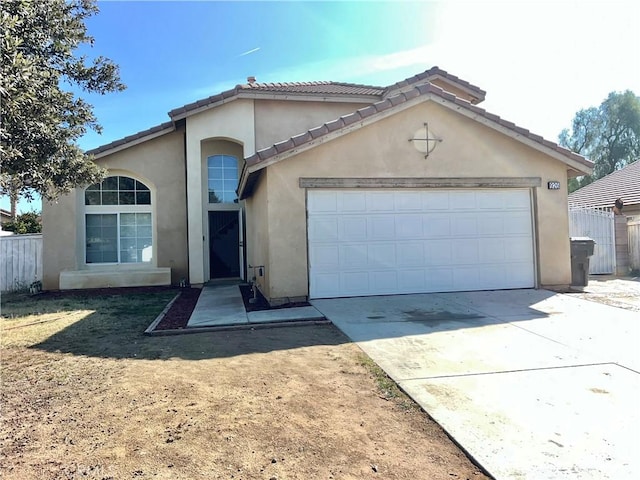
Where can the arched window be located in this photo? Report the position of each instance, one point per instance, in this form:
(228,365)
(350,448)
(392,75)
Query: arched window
(118,221)
(223,178)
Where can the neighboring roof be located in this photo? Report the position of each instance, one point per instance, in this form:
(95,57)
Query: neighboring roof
(435,72)
(310,138)
(5,213)
(623,183)
(152,132)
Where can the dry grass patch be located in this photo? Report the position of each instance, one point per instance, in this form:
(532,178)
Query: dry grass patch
(86,396)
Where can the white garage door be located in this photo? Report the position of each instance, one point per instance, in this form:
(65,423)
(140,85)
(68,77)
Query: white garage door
(381,242)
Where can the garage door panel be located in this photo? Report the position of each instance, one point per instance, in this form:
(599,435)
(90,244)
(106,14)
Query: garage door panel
(465,226)
(354,256)
(436,226)
(323,229)
(408,201)
(324,256)
(354,283)
(382,227)
(384,281)
(369,242)
(439,279)
(408,226)
(435,200)
(411,254)
(350,202)
(382,255)
(465,251)
(323,201)
(380,202)
(412,281)
(438,252)
(353,227)
(492,250)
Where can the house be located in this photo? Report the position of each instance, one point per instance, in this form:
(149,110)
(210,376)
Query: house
(323,189)
(622,184)
(5,216)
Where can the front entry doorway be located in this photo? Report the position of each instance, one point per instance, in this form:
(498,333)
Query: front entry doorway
(224,244)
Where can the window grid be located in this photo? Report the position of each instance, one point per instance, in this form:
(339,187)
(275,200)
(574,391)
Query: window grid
(222,178)
(118,190)
(118,222)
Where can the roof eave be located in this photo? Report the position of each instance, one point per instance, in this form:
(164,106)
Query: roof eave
(181,113)
(136,139)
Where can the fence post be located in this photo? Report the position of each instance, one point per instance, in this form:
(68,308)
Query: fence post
(622,245)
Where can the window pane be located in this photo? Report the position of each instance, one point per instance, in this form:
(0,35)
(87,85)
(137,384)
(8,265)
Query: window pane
(109,198)
(141,186)
(126,183)
(143,231)
(215,198)
(127,231)
(143,198)
(230,185)
(143,218)
(215,161)
(110,183)
(126,198)
(127,219)
(95,186)
(101,238)
(92,198)
(229,162)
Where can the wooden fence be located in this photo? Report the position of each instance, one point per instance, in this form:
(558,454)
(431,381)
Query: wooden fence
(20,261)
(634,244)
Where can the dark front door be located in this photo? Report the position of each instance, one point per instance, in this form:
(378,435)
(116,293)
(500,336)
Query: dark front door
(224,237)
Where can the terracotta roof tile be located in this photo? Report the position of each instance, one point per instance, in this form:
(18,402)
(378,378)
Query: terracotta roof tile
(623,183)
(128,139)
(433,72)
(390,102)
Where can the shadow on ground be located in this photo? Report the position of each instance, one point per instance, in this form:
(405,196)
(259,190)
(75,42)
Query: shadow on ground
(114,324)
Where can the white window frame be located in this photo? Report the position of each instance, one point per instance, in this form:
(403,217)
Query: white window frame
(117,210)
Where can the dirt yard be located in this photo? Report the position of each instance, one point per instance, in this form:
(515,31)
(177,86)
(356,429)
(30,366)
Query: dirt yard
(86,396)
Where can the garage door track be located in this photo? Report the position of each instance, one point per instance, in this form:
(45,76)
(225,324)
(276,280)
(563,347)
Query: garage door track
(532,384)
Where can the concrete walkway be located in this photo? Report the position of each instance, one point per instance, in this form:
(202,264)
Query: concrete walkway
(532,384)
(221,306)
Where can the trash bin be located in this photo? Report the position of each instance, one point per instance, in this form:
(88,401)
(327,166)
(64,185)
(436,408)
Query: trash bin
(581,250)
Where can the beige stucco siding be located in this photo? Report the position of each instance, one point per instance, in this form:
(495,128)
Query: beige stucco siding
(234,122)
(59,239)
(277,120)
(257,227)
(160,164)
(382,149)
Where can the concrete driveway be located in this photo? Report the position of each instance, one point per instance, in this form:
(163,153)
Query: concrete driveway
(532,384)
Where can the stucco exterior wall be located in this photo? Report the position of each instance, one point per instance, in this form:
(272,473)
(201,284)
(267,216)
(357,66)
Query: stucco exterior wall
(60,229)
(382,149)
(233,121)
(278,120)
(159,163)
(257,216)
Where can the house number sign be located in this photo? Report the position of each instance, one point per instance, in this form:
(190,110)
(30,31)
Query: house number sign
(553,185)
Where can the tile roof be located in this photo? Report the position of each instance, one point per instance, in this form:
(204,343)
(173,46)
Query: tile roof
(436,72)
(391,102)
(623,183)
(168,126)
(286,88)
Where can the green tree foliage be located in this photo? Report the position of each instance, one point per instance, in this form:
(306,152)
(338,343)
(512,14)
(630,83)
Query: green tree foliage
(41,121)
(609,135)
(29,222)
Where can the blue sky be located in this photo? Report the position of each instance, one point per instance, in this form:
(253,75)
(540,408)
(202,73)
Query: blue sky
(540,62)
